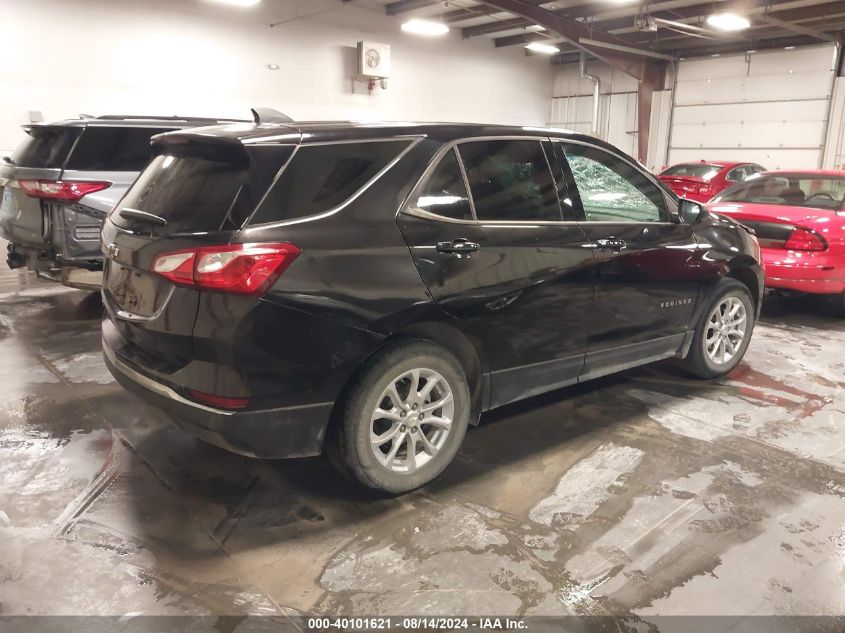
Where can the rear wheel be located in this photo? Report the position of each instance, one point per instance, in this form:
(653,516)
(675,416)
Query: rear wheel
(404,418)
(723,332)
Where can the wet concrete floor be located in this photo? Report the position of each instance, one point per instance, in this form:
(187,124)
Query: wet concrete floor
(639,494)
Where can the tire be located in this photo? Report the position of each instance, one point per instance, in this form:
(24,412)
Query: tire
(700,360)
(393,472)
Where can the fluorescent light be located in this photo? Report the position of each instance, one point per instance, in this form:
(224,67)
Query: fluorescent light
(238,3)
(728,21)
(425,27)
(539,47)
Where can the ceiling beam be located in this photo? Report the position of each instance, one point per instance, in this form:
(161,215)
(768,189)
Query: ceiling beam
(624,49)
(628,59)
(566,28)
(624,16)
(796,28)
(401,6)
(691,51)
(496,26)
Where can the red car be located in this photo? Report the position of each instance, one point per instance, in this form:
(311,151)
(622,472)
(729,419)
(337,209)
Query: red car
(799,218)
(701,181)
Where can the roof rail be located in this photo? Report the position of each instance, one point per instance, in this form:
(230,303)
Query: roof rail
(138,117)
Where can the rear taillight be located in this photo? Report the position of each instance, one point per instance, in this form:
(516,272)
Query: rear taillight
(805,240)
(248,269)
(219,402)
(63,190)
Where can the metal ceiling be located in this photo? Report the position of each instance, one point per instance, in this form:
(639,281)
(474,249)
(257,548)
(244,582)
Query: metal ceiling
(617,26)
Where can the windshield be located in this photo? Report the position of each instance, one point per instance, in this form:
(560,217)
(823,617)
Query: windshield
(693,170)
(46,147)
(793,190)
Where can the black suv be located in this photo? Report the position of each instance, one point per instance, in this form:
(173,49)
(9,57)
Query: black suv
(370,289)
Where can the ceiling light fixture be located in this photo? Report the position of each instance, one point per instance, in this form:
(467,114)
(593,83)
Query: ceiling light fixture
(728,21)
(425,27)
(243,4)
(539,47)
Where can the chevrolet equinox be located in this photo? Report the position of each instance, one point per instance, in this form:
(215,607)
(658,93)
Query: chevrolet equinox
(368,290)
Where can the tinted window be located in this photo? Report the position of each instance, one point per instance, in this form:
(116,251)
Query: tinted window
(46,147)
(320,177)
(818,192)
(510,180)
(693,170)
(611,189)
(198,189)
(113,148)
(445,192)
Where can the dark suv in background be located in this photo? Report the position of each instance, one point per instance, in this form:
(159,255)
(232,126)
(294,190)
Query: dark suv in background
(371,289)
(61,182)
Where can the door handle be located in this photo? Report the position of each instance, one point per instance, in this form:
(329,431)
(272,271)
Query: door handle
(611,244)
(458,247)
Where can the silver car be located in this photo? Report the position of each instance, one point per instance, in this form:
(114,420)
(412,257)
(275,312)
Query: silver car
(61,183)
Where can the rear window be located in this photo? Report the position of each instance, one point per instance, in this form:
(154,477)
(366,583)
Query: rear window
(46,147)
(202,190)
(694,170)
(321,177)
(113,148)
(794,190)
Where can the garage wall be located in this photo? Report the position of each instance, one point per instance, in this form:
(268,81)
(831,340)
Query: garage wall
(769,107)
(572,108)
(194,57)
(834,156)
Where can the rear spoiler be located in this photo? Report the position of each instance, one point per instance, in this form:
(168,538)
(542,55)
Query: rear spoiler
(234,134)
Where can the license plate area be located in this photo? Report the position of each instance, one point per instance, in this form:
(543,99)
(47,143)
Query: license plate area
(133,291)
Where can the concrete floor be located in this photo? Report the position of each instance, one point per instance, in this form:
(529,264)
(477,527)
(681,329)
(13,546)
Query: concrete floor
(641,494)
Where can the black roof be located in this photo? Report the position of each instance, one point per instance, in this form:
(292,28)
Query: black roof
(331,131)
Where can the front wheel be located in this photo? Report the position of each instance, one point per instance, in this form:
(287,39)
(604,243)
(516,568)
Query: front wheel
(404,418)
(723,332)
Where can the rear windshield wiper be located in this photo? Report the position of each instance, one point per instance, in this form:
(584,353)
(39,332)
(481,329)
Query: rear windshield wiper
(141,216)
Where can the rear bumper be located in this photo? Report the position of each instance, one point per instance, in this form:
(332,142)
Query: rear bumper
(817,273)
(269,434)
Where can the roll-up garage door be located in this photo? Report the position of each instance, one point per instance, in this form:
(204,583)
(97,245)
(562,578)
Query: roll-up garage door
(768,107)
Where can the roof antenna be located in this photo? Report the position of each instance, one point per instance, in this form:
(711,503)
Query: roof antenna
(269,115)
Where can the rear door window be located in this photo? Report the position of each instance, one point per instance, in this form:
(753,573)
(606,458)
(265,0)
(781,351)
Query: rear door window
(445,192)
(321,177)
(510,180)
(46,147)
(106,148)
(202,189)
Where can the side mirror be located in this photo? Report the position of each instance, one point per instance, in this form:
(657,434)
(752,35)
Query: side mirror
(691,211)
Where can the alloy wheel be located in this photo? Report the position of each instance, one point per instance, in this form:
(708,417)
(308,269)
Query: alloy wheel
(726,330)
(412,420)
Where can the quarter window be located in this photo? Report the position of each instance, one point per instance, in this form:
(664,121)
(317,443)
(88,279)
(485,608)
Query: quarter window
(611,189)
(446,192)
(321,177)
(510,180)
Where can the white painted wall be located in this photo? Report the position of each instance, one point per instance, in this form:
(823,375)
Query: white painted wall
(191,57)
